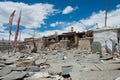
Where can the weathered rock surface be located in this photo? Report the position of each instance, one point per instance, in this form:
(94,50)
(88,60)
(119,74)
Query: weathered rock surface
(39,61)
(25,63)
(14,75)
(5,71)
(99,75)
(107,57)
(58,65)
(19,68)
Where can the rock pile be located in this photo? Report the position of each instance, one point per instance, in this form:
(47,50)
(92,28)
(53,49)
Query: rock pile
(58,65)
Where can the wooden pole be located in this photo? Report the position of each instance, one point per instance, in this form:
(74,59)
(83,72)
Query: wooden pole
(106,13)
(19,36)
(9,43)
(3,42)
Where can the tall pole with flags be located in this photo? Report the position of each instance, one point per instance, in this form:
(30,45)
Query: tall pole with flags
(17,30)
(20,36)
(10,26)
(106,13)
(3,42)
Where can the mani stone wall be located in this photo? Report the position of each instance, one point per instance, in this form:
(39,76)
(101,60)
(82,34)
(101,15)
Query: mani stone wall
(62,45)
(40,44)
(102,35)
(85,44)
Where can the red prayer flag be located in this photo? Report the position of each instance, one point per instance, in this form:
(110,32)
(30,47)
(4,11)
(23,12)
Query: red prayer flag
(11,20)
(17,29)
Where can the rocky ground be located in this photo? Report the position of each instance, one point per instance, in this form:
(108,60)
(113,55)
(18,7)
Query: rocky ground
(58,65)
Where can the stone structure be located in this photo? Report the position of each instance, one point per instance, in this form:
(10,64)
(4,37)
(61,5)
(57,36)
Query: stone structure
(105,34)
(85,44)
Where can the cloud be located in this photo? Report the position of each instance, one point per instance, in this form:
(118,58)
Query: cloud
(32,15)
(118,6)
(66,26)
(1,28)
(56,24)
(85,24)
(79,26)
(112,21)
(30,33)
(94,18)
(68,10)
(99,18)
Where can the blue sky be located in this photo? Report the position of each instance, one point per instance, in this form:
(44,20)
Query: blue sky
(50,16)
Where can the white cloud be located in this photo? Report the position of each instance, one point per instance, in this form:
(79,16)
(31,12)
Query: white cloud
(32,15)
(94,18)
(79,26)
(29,33)
(68,10)
(112,21)
(56,24)
(118,6)
(90,22)
(4,35)
(1,27)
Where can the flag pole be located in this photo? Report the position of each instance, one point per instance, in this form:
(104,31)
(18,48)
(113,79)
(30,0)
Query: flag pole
(9,44)
(17,31)
(10,25)
(3,42)
(20,36)
(106,10)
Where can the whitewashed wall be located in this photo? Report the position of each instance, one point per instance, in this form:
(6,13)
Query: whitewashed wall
(103,35)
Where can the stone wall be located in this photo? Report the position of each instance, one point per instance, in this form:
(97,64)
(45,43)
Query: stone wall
(102,36)
(85,44)
(62,45)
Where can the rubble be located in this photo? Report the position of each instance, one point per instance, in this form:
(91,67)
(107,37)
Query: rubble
(5,71)
(14,75)
(107,57)
(58,65)
(117,78)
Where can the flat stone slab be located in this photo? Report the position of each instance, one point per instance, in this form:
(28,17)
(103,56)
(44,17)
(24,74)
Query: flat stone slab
(56,68)
(107,57)
(33,69)
(5,71)
(1,68)
(54,77)
(66,69)
(2,64)
(8,62)
(95,75)
(44,76)
(25,63)
(19,68)
(108,66)
(39,61)
(14,75)
(99,75)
